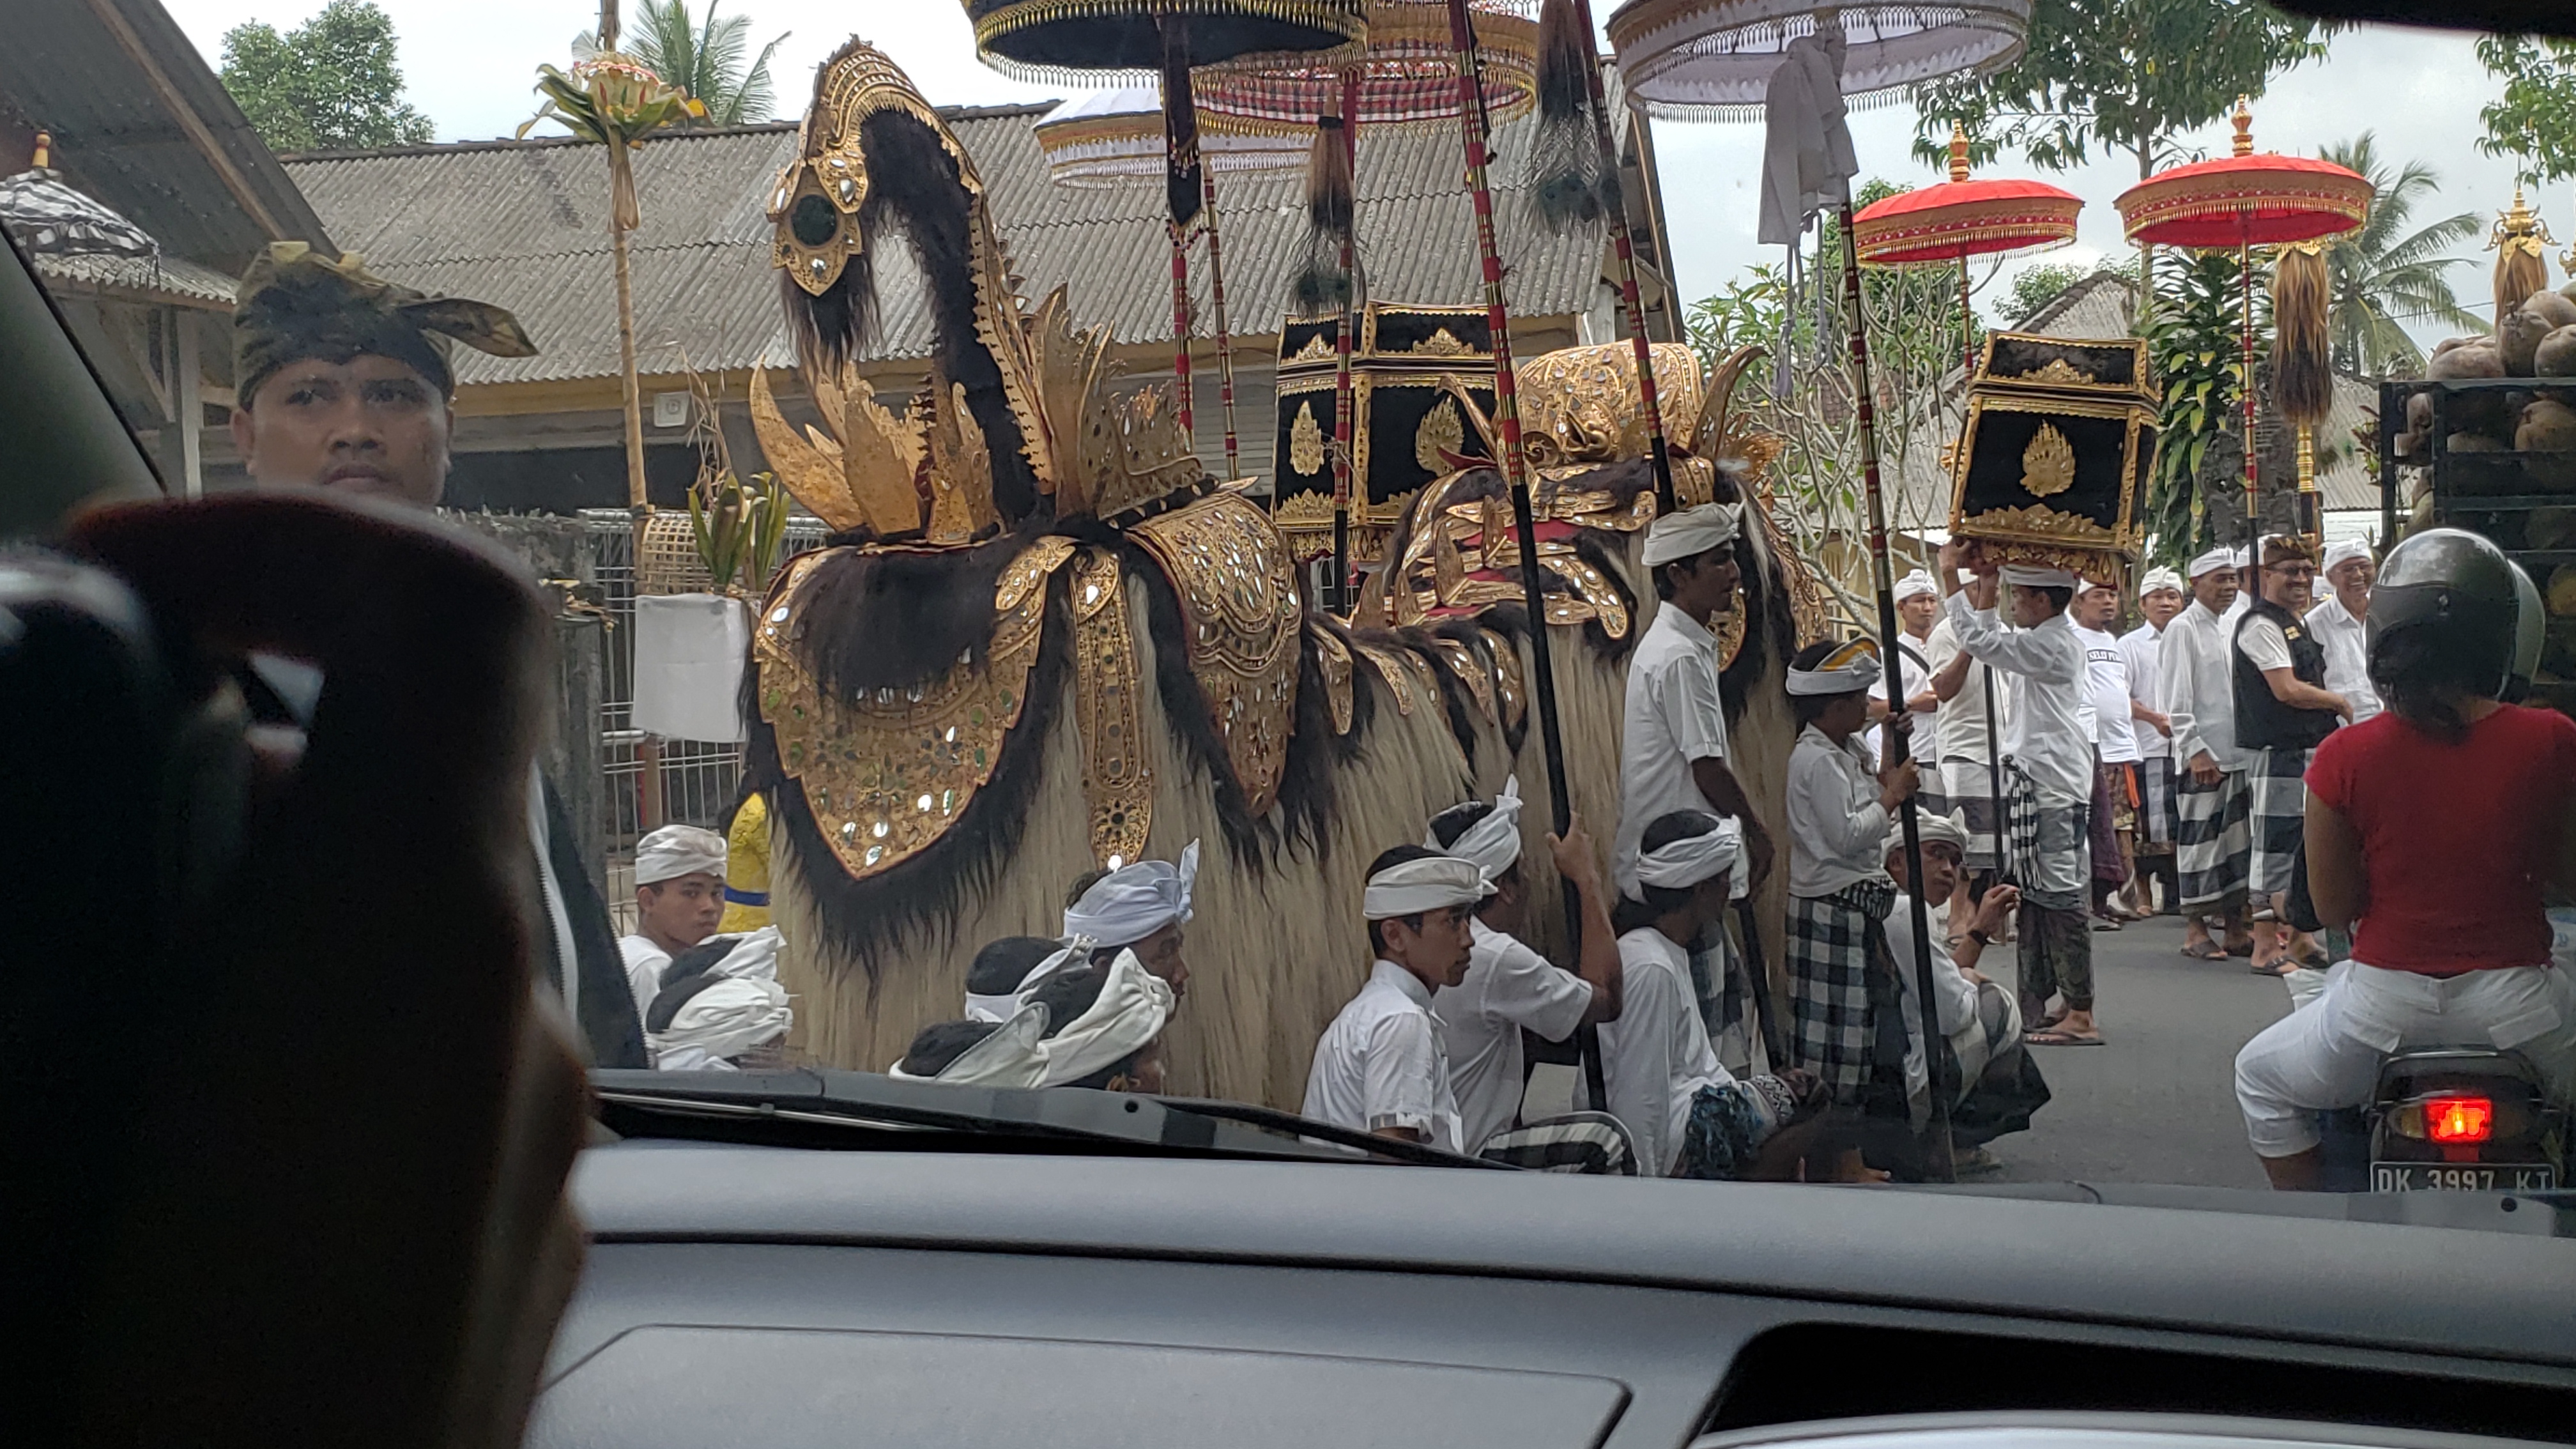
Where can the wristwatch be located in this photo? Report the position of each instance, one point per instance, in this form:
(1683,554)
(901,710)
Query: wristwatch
(1980,937)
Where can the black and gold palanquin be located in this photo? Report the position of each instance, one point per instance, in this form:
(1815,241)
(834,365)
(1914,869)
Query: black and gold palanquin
(1404,417)
(2054,457)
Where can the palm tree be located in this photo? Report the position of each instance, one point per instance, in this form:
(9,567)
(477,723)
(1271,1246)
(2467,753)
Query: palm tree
(2380,276)
(705,58)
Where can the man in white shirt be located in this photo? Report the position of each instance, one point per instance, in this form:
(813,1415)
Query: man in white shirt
(2337,622)
(2160,598)
(2213,851)
(679,898)
(1380,1066)
(1974,706)
(1686,1115)
(2049,778)
(2115,745)
(1918,607)
(1139,907)
(1673,751)
(1509,987)
(1977,1016)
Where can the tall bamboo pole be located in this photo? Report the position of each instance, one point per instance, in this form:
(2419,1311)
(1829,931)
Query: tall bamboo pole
(1224,338)
(1623,251)
(1340,592)
(621,199)
(2253,497)
(1897,741)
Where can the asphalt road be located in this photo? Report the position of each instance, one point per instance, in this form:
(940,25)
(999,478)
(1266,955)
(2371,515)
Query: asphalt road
(2155,1103)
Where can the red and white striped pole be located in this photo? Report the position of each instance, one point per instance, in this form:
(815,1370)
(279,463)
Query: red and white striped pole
(1624,250)
(1507,413)
(1224,339)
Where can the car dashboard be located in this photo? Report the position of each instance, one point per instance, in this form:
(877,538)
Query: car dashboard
(788,1296)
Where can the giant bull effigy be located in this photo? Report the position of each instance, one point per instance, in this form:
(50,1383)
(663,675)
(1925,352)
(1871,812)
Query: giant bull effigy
(1043,639)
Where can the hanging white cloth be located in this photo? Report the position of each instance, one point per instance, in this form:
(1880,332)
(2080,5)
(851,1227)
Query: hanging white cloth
(1807,158)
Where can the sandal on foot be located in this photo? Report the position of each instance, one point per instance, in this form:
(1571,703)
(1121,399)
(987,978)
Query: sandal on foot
(2059,1036)
(2205,951)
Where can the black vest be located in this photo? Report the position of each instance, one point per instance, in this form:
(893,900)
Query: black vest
(2262,721)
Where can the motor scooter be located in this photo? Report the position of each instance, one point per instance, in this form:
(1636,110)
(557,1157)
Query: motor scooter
(2449,1119)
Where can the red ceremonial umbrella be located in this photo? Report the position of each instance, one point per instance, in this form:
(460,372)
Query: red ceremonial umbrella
(2245,200)
(1959,219)
(1954,221)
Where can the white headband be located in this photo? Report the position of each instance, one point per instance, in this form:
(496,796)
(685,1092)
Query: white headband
(2212,561)
(1005,1005)
(1691,532)
(1854,666)
(677,850)
(1133,902)
(2159,578)
(1133,1005)
(725,1020)
(1428,883)
(1009,1057)
(1914,586)
(1929,829)
(2028,576)
(1688,861)
(2344,553)
(1494,842)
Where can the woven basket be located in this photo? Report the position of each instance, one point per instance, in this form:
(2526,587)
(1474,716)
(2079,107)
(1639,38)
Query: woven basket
(666,558)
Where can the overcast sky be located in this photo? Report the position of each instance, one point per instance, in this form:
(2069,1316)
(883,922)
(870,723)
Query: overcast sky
(470,64)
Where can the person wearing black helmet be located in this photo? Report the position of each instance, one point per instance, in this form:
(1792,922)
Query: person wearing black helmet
(2431,831)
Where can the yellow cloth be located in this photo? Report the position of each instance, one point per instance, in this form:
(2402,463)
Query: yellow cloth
(747,869)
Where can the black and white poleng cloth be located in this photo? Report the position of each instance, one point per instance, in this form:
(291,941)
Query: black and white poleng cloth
(1838,980)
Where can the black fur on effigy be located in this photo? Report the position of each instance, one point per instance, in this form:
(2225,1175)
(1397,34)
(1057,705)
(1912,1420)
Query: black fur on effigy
(1459,706)
(1594,548)
(1511,621)
(888,619)
(871,919)
(912,178)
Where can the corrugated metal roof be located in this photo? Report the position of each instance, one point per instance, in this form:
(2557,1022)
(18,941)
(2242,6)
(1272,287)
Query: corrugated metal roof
(524,224)
(141,122)
(162,277)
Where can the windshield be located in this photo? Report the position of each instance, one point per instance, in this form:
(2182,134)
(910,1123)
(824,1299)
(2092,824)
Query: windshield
(1600,639)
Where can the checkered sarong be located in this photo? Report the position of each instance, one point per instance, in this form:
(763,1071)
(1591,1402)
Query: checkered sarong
(2212,848)
(2049,852)
(1971,793)
(2278,819)
(1594,1144)
(1839,973)
(2157,823)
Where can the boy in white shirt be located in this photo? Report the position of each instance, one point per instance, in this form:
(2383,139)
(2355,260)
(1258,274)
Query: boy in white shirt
(1841,980)
(1510,988)
(1380,1066)
(1685,1113)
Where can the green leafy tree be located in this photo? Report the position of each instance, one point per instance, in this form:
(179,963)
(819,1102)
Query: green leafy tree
(330,84)
(2196,343)
(2535,123)
(2124,76)
(710,59)
(1916,347)
(2383,271)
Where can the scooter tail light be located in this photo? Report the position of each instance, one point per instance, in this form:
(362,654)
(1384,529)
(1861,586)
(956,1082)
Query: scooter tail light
(2459,1119)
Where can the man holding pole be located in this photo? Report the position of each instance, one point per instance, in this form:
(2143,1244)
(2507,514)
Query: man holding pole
(1674,753)
(1967,726)
(2049,778)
